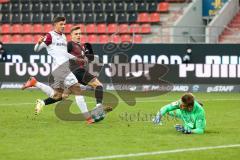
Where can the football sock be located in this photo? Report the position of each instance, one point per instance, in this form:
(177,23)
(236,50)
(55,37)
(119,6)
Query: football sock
(45,88)
(99,94)
(50,100)
(83,107)
(81,104)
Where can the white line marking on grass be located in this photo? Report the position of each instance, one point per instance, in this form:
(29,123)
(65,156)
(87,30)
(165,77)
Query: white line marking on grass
(15,104)
(138,101)
(159,152)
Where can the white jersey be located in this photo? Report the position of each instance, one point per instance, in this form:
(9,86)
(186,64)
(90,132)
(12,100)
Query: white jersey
(57,48)
(56,45)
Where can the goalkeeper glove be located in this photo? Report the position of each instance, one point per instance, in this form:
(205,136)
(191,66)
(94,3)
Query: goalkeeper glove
(157,119)
(179,127)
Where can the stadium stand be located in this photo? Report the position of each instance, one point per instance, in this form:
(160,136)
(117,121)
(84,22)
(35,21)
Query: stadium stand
(233,29)
(4,1)
(97,18)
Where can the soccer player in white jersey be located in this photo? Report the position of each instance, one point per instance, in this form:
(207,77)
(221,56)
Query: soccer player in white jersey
(64,80)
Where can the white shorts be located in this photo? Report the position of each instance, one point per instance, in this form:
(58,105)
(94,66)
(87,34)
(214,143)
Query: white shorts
(63,77)
(69,81)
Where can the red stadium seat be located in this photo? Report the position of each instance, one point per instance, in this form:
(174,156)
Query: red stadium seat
(101,28)
(4,1)
(68,36)
(68,28)
(37,28)
(137,39)
(47,28)
(6,38)
(154,17)
(27,28)
(36,37)
(90,28)
(112,28)
(115,38)
(28,38)
(17,38)
(126,38)
(92,38)
(5,28)
(103,39)
(146,28)
(135,28)
(123,28)
(84,39)
(16,28)
(163,7)
(143,18)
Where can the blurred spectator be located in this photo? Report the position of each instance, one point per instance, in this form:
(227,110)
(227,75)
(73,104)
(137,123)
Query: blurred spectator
(3,55)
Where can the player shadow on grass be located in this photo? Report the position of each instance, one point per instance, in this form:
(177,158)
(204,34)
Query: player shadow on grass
(62,109)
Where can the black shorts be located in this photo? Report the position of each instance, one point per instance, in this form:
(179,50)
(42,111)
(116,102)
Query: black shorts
(83,76)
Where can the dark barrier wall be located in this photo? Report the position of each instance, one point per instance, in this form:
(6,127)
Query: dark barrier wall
(137,64)
(168,52)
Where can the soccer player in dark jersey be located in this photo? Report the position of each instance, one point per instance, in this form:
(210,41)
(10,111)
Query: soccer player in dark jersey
(85,54)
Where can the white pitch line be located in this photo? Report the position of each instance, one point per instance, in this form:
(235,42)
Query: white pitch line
(159,152)
(15,104)
(121,101)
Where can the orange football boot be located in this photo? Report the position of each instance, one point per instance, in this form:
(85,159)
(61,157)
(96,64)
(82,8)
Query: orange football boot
(30,83)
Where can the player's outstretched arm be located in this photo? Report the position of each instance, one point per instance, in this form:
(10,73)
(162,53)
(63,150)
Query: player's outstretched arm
(164,110)
(40,45)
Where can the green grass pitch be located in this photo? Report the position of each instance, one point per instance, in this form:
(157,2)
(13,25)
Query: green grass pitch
(125,130)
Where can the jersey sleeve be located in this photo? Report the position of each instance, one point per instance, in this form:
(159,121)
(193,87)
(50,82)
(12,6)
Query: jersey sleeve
(200,123)
(48,39)
(170,107)
(69,47)
(38,47)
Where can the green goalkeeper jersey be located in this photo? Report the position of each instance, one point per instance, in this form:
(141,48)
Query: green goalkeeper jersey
(194,120)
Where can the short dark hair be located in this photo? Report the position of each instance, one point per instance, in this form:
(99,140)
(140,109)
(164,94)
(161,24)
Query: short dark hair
(58,19)
(74,28)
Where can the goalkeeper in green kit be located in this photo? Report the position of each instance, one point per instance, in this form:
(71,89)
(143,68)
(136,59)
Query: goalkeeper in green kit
(189,111)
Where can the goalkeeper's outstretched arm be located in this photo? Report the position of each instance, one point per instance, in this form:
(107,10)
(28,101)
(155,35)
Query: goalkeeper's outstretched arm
(164,110)
(169,107)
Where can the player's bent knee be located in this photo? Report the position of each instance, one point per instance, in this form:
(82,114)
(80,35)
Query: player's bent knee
(57,96)
(76,89)
(95,83)
(65,96)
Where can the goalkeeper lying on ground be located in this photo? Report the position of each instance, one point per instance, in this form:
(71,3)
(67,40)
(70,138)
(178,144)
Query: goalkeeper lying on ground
(189,111)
